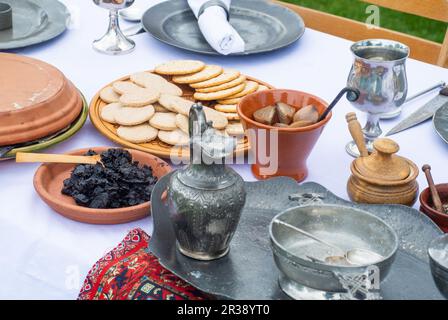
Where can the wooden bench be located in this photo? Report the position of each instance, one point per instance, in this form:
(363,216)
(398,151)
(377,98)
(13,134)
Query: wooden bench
(421,49)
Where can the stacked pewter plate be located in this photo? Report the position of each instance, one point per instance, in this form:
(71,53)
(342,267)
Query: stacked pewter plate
(26,23)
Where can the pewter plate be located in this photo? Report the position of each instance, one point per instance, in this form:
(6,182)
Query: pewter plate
(263,26)
(249,271)
(33,22)
(440,121)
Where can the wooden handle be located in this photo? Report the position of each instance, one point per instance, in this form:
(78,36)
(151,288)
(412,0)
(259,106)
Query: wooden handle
(434,194)
(356,132)
(55,158)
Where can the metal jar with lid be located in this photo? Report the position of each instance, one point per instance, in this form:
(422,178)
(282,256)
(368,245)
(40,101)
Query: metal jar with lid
(383,177)
(206,198)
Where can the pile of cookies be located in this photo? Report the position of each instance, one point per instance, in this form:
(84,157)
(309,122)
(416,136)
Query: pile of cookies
(154,105)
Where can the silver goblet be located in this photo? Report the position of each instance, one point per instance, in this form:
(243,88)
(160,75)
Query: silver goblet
(379,73)
(114,41)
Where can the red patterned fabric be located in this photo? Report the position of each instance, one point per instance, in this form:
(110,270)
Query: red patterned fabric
(131,272)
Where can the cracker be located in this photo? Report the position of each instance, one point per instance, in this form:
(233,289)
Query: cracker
(122,87)
(108,111)
(218,119)
(223,86)
(128,116)
(235,129)
(209,72)
(164,121)
(159,108)
(108,95)
(180,67)
(231,116)
(228,75)
(175,137)
(176,104)
(219,94)
(230,101)
(251,87)
(156,82)
(230,108)
(139,98)
(137,134)
(182,123)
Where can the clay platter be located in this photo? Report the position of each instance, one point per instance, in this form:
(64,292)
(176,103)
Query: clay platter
(48,182)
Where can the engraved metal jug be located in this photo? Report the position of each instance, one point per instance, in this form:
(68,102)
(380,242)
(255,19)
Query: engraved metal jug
(206,198)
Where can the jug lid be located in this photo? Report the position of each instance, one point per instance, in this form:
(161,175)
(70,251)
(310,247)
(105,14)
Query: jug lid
(383,164)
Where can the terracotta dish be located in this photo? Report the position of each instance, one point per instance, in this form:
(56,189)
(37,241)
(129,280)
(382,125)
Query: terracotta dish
(48,182)
(426,206)
(36,101)
(155,147)
(294,144)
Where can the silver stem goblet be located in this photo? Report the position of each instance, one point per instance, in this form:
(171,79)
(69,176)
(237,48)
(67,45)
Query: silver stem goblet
(379,73)
(114,41)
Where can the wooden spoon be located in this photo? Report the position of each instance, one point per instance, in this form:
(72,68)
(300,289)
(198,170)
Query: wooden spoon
(57,158)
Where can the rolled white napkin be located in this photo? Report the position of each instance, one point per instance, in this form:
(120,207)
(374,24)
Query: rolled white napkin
(216,29)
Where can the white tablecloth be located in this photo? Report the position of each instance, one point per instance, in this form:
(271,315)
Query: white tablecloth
(46,256)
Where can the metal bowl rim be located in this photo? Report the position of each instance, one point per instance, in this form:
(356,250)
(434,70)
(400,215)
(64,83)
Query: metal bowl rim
(328,267)
(431,245)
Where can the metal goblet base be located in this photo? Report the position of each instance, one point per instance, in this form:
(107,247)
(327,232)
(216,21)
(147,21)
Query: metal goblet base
(114,44)
(202,255)
(353,150)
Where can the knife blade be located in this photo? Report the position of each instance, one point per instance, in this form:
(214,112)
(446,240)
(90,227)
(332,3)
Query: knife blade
(423,113)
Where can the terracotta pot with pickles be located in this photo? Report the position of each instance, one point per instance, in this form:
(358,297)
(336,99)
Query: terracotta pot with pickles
(381,177)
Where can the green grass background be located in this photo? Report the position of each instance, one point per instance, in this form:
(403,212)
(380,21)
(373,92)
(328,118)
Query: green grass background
(389,19)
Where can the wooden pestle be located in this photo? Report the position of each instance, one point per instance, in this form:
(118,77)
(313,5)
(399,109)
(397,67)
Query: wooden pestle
(356,132)
(434,194)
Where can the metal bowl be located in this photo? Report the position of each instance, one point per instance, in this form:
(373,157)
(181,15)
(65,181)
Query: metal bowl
(438,257)
(343,226)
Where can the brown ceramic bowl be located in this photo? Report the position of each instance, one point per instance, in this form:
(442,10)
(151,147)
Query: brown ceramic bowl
(48,182)
(426,206)
(294,144)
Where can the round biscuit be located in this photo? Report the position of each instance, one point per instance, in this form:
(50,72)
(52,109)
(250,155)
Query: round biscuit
(251,87)
(108,95)
(209,72)
(175,137)
(139,98)
(219,94)
(176,104)
(137,134)
(180,67)
(230,108)
(122,87)
(182,123)
(164,121)
(227,76)
(108,112)
(223,86)
(128,116)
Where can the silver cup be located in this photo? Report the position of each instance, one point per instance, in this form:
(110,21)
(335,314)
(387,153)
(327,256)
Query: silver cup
(379,73)
(114,42)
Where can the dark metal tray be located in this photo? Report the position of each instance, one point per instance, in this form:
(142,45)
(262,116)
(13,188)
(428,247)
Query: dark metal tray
(264,26)
(249,271)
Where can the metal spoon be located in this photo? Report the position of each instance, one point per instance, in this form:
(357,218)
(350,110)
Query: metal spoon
(354,256)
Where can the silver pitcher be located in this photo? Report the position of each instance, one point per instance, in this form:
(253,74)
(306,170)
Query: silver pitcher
(206,198)
(379,73)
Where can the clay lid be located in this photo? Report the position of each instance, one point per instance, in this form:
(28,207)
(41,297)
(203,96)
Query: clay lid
(36,99)
(383,164)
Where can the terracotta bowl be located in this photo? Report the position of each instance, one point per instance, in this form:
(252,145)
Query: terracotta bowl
(294,144)
(426,206)
(48,182)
